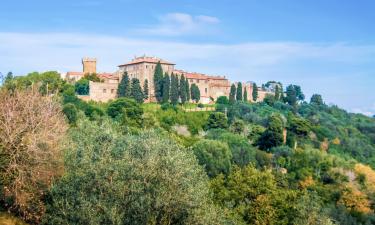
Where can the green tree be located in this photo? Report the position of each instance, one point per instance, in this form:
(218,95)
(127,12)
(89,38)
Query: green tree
(136,91)
(187,89)
(273,136)
(245,98)
(82,87)
(215,156)
(166,88)
(174,89)
(232,94)
(217,120)
(255,92)
(222,100)
(145,89)
(195,93)
(291,95)
(127,110)
(122,179)
(158,82)
(316,99)
(70,112)
(124,87)
(182,89)
(277,93)
(239,92)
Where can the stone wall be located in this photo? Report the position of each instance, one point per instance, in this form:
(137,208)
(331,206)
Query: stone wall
(103,92)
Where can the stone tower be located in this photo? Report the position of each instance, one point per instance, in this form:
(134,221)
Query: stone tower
(89,65)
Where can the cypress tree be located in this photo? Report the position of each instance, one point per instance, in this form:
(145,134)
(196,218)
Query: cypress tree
(187,89)
(174,89)
(166,88)
(255,92)
(158,82)
(145,89)
(232,95)
(239,92)
(136,90)
(245,95)
(195,93)
(182,89)
(124,86)
(291,95)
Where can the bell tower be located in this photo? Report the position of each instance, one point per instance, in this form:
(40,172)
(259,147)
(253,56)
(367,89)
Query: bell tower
(89,65)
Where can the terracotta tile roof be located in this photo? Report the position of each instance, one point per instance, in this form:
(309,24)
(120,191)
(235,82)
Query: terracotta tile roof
(107,76)
(199,76)
(146,59)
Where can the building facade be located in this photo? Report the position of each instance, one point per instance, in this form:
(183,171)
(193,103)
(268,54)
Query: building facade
(143,68)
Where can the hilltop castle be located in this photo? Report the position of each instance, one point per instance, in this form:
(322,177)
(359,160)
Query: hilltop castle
(143,68)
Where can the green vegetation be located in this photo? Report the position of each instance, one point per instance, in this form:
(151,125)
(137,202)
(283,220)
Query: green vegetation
(282,161)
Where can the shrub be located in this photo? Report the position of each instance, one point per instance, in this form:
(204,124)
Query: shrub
(216,120)
(70,112)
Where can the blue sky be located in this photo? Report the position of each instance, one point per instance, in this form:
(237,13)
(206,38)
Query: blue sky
(326,46)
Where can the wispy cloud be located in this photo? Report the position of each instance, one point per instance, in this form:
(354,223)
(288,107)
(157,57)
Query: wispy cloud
(330,69)
(175,24)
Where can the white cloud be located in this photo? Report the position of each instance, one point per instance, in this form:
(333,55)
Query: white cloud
(175,24)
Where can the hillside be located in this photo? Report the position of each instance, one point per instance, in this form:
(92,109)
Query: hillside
(282,161)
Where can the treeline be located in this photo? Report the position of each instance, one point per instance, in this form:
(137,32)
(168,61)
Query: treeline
(282,161)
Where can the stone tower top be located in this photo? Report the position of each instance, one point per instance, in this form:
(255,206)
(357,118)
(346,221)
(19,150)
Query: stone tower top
(89,65)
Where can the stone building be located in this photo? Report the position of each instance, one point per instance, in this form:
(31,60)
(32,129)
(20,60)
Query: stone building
(143,68)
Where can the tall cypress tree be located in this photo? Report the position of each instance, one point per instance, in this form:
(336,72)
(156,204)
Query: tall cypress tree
(174,89)
(232,95)
(277,93)
(158,82)
(145,89)
(166,88)
(255,92)
(195,93)
(239,92)
(187,89)
(136,90)
(245,95)
(182,89)
(124,86)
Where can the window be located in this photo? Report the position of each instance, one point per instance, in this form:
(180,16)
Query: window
(112,91)
(205,90)
(197,81)
(104,90)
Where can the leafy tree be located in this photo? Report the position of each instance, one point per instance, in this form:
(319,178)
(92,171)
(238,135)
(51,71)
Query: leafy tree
(239,92)
(245,98)
(129,181)
(126,109)
(255,92)
(166,88)
(238,127)
(93,77)
(299,126)
(32,128)
(158,82)
(217,120)
(316,99)
(70,112)
(215,156)
(222,100)
(145,89)
(273,136)
(269,99)
(300,95)
(195,93)
(232,94)
(136,91)
(182,89)
(277,93)
(174,89)
(82,87)
(124,87)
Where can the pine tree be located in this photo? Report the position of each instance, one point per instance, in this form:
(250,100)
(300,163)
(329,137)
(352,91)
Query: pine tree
(174,89)
(195,93)
(187,89)
(136,90)
(255,92)
(124,86)
(145,89)
(277,93)
(291,95)
(232,95)
(245,95)
(182,89)
(166,88)
(239,92)
(158,82)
